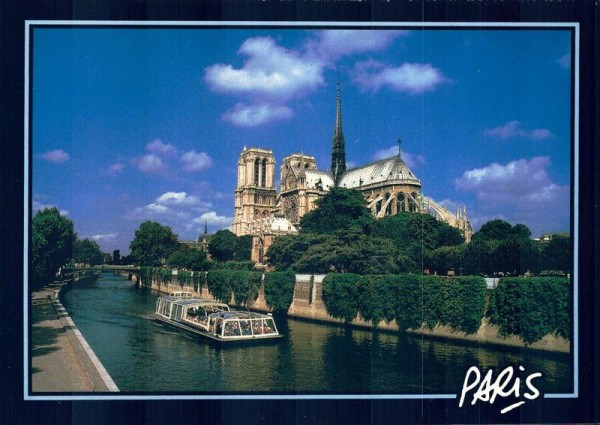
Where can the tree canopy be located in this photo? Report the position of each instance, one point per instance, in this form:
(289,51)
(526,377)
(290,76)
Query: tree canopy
(340,210)
(188,258)
(52,238)
(88,252)
(152,244)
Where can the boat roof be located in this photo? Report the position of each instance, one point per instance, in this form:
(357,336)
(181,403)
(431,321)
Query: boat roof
(240,315)
(200,302)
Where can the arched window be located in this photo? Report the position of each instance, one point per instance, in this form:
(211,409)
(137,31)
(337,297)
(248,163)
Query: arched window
(263,182)
(401,202)
(378,207)
(412,204)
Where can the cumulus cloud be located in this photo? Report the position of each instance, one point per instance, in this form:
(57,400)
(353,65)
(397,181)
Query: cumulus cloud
(333,44)
(516,129)
(409,159)
(158,147)
(521,191)
(195,161)
(214,220)
(150,163)
(413,78)
(255,115)
(56,156)
(107,237)
(177,198)
(270,70)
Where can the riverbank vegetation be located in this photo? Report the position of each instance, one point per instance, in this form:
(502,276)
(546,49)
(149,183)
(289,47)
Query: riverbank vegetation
(341,236)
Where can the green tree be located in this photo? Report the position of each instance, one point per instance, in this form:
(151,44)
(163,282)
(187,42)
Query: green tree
(116,257)
(88,252)
(557,254)
(243,248)
(152,244)
(52,238)
(222,245)
(340,210)
(191,259)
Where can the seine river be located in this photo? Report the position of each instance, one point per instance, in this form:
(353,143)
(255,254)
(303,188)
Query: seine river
(143,357)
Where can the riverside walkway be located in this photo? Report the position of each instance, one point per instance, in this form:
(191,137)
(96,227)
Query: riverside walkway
(61,359)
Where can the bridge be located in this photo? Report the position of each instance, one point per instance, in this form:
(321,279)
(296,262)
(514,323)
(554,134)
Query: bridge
(112,268)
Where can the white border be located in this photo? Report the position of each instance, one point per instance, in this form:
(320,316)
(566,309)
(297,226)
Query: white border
(262,24)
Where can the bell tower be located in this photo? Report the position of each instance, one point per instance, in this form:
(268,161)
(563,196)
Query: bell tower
(255,191)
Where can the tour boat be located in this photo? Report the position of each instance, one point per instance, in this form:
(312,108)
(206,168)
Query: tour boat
(212,319)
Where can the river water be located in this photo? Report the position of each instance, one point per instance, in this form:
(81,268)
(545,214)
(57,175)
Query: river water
(143,357)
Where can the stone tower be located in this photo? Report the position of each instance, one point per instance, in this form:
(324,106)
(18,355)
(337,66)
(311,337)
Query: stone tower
(338,152)
(255,191)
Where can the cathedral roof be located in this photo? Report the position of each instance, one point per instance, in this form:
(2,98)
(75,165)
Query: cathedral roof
(388,170)
(314,176)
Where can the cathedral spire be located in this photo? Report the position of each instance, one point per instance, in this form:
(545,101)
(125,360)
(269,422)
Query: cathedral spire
(338,153)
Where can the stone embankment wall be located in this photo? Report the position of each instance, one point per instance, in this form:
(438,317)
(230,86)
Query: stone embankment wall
(308,303)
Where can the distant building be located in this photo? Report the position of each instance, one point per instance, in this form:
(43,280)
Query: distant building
(201,244)
(388,186)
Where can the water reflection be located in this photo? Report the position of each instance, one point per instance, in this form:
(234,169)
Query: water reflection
(312,358)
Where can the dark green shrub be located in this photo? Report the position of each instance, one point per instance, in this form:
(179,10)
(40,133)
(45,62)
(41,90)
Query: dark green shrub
(165,276)
(279,290)
(378,297)
(184,277)
(219,284)
(340,295)
(531,307)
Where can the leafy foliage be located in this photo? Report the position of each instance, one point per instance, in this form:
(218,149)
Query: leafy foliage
(413,300)
(340,210)
(52,239)
(86,251)
(243,248)
(187,258)
(340,295)
(531,307)
(222,245)
(245,285)
(279,290)
(219,284)
(152,244)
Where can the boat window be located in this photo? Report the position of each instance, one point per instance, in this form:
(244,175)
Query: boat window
(219,327)
(232,328)
(178,312)
(269,326)
(245,327)
(257,327)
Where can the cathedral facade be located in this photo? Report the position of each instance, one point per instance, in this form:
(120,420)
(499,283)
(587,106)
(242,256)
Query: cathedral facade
(388,187)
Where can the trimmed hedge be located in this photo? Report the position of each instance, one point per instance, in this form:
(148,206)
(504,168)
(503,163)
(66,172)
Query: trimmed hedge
(531,307)
(412,300)
(340,295)
(219,284)
(279,290)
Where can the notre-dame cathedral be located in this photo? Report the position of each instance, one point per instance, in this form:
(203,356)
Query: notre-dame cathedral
(388,187)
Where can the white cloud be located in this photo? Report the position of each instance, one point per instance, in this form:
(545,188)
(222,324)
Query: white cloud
(150,164)
(214,220)
(158,147)
(409,77)
(57,156)
(38,206)
(116,168)
(255,115)
(514,129)
(333,44)
(409,159)
(107,237)
(195,161)
(521,191)
(177,198)
(270,70)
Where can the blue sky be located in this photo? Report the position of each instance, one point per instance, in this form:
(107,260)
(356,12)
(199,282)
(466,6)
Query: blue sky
(130,125)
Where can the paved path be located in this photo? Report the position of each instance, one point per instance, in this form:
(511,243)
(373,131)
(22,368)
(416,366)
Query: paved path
(61,360)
